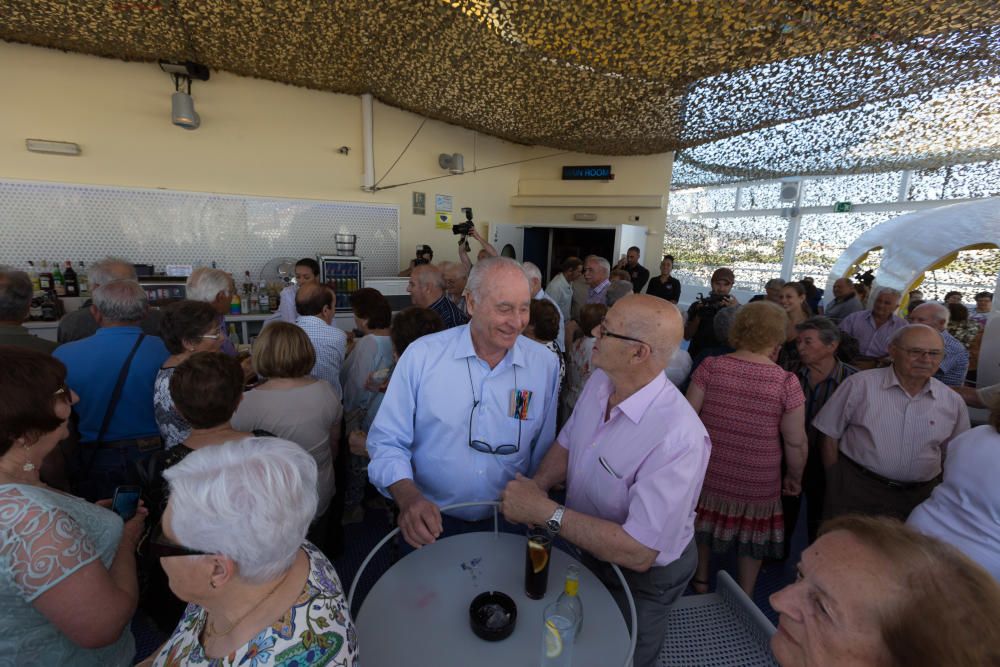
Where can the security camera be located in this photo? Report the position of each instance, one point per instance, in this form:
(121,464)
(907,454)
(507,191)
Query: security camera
(182,111)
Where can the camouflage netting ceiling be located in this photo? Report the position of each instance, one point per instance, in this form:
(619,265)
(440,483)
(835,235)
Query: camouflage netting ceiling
(750,89)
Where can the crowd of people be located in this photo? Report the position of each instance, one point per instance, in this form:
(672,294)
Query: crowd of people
(571,401)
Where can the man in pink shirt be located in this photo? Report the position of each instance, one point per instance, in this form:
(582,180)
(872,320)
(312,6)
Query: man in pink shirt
(633,455)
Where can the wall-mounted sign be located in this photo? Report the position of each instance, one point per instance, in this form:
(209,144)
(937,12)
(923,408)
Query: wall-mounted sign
(843,207)
(419,203)
(588,173)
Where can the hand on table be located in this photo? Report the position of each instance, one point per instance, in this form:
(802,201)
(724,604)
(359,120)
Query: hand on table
(419,519)
(523,501)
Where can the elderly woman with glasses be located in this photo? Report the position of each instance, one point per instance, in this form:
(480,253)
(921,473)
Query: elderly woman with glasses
(68,585)
(754,411)
(187,327)
(232,542)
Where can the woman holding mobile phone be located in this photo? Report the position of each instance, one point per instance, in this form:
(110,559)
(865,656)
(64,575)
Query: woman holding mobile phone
(68,584)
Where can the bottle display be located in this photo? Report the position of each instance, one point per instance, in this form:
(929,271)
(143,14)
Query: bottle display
(70,280)
(58,283)
(33,274)
(82,280)
(45,277)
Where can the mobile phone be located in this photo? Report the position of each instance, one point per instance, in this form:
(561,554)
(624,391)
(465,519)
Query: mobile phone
(126,501)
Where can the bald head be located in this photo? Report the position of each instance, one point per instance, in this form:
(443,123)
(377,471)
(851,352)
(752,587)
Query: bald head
(655,322)
(455,275)
(934,315)
(315,299)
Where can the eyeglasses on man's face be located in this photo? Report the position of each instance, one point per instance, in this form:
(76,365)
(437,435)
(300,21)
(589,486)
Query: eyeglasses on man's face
(602,329)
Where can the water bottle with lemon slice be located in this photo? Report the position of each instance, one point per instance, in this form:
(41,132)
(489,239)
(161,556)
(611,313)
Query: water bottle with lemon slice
(558,634)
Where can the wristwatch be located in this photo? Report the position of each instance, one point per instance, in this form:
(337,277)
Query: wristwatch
(555,521)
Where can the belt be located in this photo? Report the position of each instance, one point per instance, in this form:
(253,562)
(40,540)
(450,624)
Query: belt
(891,483)
(142,444)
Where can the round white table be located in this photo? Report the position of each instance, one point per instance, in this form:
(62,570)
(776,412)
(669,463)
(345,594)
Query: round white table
(417,613)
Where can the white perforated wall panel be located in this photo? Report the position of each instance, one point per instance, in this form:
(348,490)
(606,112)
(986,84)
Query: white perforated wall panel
(60,221)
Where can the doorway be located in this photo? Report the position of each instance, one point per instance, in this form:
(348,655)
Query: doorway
(548,247)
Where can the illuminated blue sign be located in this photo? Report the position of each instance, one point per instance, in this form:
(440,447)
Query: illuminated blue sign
(588,173)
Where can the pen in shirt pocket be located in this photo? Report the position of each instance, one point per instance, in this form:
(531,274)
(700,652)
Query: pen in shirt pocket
(608,467)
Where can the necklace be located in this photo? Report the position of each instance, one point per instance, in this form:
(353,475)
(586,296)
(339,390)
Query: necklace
(210,629)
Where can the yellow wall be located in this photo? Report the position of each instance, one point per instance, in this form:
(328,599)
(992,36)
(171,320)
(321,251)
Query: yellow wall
(269,139)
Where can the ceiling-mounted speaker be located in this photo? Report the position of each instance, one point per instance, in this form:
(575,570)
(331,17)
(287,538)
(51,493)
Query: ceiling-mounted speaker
(789,191)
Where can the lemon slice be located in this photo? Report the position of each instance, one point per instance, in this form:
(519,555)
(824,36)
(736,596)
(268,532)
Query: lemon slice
(539,556)
(553,640)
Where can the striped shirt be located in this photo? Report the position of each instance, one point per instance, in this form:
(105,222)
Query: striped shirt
(598,294)
(330,344)
(873,340)
(449,312)
(955,363)
(816,397)
(886,430)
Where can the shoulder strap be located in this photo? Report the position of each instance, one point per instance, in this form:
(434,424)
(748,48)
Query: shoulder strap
(119,385)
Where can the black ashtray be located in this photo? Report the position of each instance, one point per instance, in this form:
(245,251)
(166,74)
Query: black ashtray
(492,616)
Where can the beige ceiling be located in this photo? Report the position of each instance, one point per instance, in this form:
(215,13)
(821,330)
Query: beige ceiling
(610,76)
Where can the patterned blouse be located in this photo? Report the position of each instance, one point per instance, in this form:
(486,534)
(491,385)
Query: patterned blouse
(45,538)
(317,630)
(173,428)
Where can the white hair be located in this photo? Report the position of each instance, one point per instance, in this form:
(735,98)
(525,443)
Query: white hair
(484,267)
(532,271)
(103,271)
(204,284)
(601,262)
(942,314)
(251,500)
(121,301)
(429,275)
(888,290)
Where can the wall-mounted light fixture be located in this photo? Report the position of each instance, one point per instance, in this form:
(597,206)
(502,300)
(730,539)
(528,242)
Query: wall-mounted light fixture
(182,111)
(52,147)
(454,163)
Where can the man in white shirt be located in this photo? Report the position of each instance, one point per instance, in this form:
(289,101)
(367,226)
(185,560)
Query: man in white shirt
(560,288)
(315,305)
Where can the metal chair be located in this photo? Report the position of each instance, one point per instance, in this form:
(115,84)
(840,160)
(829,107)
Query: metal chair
(724,628)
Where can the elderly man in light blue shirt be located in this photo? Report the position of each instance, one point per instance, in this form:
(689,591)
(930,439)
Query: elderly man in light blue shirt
(466,409)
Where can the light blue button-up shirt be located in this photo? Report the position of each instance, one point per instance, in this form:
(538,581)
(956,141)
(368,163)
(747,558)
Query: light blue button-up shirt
(422,429)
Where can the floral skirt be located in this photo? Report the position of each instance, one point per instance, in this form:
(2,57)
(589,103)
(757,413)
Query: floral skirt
(756,528)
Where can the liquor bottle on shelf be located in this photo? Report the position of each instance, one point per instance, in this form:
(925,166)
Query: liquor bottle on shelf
(274,297)
(254,299)
(58,283)
(82,280)
(33,274)
(69,278)
(264,300)
(45,277)
(235,304)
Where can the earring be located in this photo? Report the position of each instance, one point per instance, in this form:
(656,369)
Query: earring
(212,584)
(28,465)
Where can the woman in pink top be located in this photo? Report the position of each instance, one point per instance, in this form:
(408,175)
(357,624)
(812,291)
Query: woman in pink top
(749,405)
